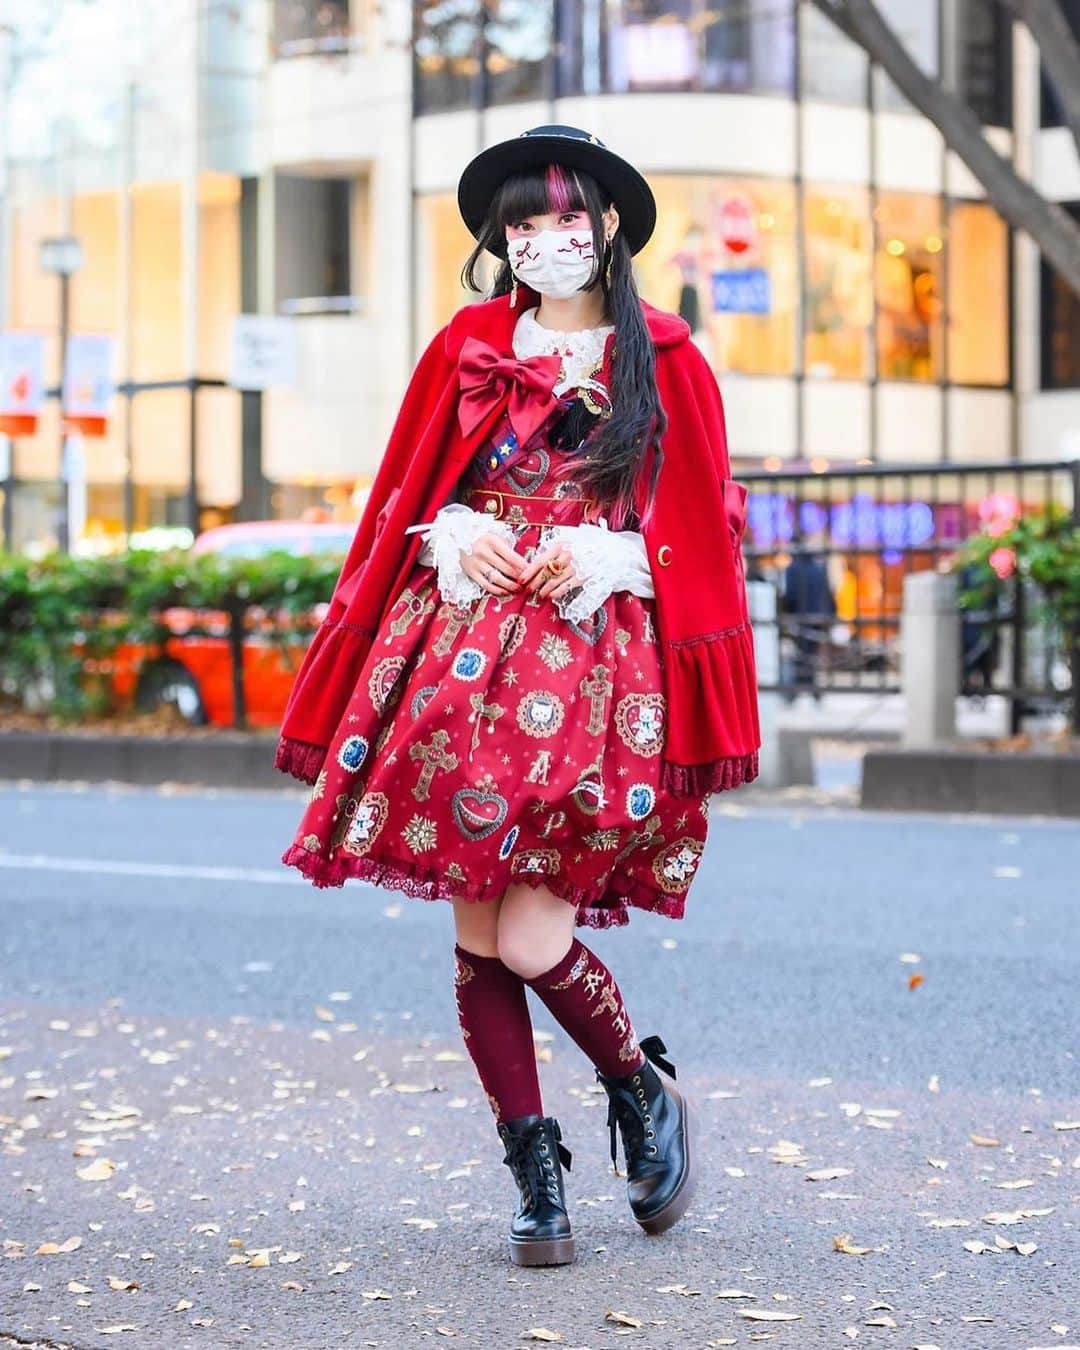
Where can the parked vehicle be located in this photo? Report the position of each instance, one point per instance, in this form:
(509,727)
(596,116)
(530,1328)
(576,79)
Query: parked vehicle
(193,669)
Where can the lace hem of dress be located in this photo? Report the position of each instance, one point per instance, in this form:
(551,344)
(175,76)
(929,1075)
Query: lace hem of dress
(431,883)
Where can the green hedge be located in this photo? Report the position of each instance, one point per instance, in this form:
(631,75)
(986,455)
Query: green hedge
(62,617)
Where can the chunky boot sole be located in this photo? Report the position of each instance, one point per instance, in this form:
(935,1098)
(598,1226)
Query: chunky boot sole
(541,1251)
(679,1203)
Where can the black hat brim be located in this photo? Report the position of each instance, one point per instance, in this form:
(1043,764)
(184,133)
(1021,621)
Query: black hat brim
(629,190)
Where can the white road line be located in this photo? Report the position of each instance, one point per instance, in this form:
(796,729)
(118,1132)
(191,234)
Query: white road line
(116,867)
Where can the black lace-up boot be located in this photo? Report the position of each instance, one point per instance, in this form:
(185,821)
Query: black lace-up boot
(656,1126)
(540,1230)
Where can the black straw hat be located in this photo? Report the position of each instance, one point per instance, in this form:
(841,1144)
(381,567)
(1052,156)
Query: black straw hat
(558,144)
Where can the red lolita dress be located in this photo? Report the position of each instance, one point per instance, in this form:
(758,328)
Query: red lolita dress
(494,741)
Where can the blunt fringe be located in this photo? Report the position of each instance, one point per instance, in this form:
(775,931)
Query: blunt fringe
(619,445)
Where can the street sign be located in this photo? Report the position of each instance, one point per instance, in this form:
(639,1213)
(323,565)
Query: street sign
(263,351)
(22,381)
(736,224)
(743,292)
(88,382)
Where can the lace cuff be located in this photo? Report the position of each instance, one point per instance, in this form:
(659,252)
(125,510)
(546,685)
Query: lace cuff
(608,560)
(454,530)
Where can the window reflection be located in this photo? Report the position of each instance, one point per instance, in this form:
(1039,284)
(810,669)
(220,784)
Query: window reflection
(833,67)
(915,23)
(1060,326)
(518,40)
(640,45)
(723,256)
(978,295)
(445,50)
(839,302)
(907,275)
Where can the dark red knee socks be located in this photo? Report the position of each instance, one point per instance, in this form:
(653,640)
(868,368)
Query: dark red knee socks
(584,999)
(497,1031)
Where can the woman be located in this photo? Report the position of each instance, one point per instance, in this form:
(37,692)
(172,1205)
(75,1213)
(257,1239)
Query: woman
(524,711)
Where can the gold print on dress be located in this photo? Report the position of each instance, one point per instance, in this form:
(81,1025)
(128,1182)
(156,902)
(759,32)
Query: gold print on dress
(457,617)
(482,712)
(648,835)
(554,822)
(417,605)
(538,769)
(434,755)
(596,688)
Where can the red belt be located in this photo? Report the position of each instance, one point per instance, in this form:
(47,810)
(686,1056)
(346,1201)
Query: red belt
(518,509)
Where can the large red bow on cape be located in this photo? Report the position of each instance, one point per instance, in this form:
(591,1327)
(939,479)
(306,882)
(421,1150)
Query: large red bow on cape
(485,376)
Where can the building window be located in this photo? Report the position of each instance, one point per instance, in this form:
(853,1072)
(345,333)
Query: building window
(833,68)
(986,61)
(446,49)
(907,276)
(915,22)
(517,44)
(723,256)
(978,295)
(305,26)
(1050,107)
(1060,325)
(313,271)
(838,283)
(628,46)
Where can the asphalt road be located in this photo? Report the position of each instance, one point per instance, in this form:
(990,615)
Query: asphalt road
(253,1065)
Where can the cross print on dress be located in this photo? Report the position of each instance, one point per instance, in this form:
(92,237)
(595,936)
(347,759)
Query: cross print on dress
(596,688)
(457,617)
(434,755)
(416,604)
(482,712)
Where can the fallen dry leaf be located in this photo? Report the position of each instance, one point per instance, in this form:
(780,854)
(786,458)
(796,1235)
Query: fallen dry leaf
(985,1140)
(621,1319)
(1015,1215)
(121,1285)
(842,1242)
(101,1169)
(70,1244)
(540,1334)
(828,1173)
(767,1315)
(76,1288)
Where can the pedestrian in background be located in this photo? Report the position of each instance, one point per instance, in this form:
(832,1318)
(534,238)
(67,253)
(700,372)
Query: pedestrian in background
(809,602)
(537,663)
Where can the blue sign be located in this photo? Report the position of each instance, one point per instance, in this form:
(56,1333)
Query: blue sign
(743,292)
(861,522)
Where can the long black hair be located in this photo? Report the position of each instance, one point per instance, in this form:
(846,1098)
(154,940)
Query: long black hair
(618,444)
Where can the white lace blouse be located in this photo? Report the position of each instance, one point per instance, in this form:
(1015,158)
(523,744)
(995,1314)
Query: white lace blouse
(605,560)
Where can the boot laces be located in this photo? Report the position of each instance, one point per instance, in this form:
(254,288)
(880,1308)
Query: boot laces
(629,1109)
(530,1159)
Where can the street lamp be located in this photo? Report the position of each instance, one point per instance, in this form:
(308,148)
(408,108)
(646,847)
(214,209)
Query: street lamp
(62,255)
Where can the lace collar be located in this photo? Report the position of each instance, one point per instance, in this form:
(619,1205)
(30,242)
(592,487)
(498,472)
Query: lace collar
(580,350)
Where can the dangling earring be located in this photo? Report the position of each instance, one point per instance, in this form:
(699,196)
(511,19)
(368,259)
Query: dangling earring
(513,291)
(607,268)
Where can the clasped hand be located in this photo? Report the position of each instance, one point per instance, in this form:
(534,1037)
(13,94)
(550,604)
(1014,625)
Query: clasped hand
(496,566)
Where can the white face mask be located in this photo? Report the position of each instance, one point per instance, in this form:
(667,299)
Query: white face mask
(553,262)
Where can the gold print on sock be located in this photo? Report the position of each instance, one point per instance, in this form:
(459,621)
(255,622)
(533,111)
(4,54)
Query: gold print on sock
(607,1000)
(575,972)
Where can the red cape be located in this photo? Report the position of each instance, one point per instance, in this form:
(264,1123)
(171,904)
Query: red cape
(712,733)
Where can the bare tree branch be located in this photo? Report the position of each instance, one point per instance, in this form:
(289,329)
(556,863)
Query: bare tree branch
(1058,50)
(1052,228)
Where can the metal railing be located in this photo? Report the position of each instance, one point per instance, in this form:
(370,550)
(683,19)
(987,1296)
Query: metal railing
(837,546)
